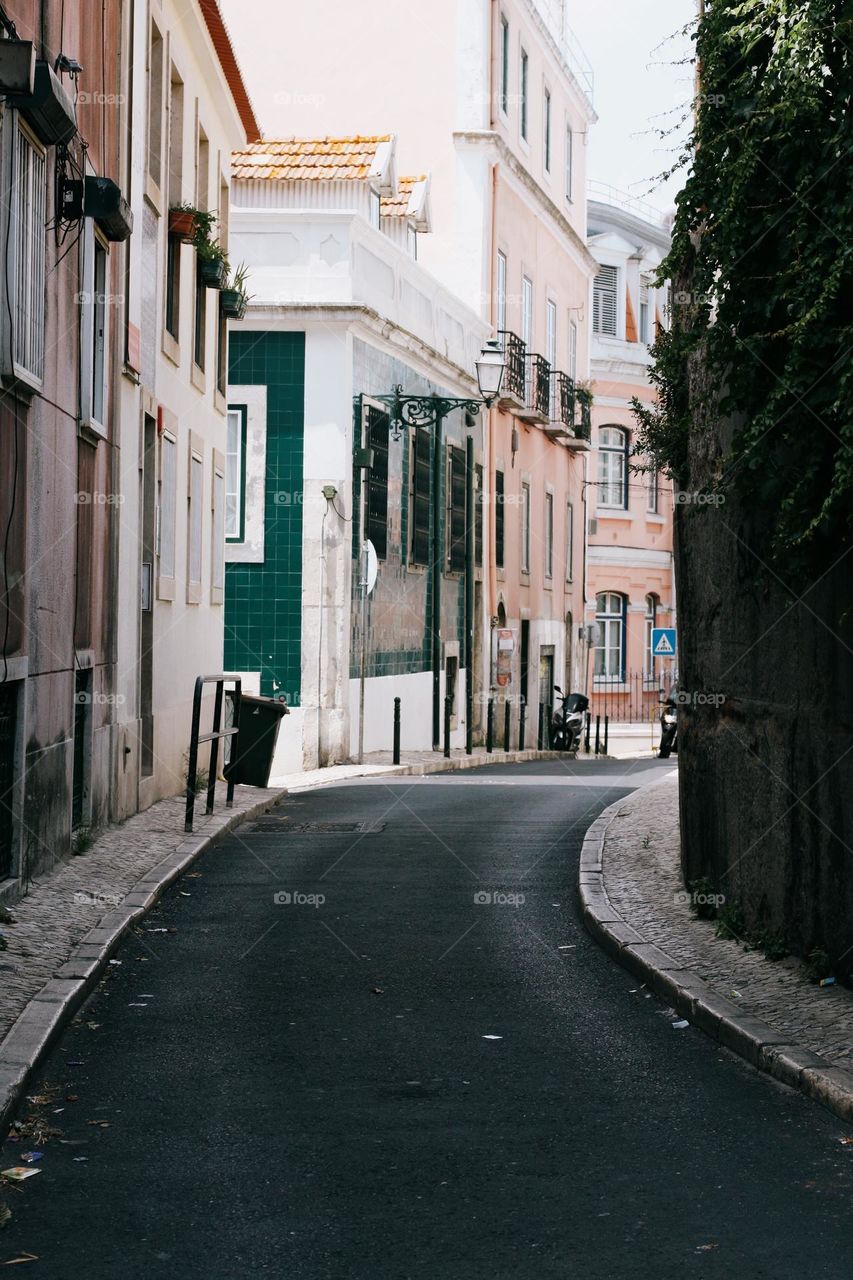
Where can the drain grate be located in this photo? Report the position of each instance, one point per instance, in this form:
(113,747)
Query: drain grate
(282,825)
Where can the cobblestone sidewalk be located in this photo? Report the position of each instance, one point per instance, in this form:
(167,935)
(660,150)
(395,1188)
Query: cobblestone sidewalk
(643,881)
(64,905)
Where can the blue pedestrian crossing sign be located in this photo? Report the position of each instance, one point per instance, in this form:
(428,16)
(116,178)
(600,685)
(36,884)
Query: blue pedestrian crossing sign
(663,642)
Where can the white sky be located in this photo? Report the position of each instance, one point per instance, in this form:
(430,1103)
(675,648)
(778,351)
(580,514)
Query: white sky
(636,88)
(630,44)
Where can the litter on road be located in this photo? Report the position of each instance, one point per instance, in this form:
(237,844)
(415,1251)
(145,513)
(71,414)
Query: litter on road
(681,1024)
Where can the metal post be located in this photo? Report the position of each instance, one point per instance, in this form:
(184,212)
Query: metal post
(588,728)
(192,766)
(597,734)
(522,722)
(437,568)
(506,725)
(490,725)
(470,547)
(606,732)
(396,730)
(232,755)
(540,737)
(214,747)
(363,668)
(448,704)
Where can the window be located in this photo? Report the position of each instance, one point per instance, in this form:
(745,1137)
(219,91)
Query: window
(375,209)
(501,290)
(176,165)
(650,624)
(27,228)
(235,473)
(546,133)
(549,535)
(610,640)
(569,162)
(645,326)
(376,438)
(200,319)
(155,106)
(195,514)
(167,505)
(419,509)
(526,310)
(93,322)
(522,95)
(478,505)
(456,518)
(551,351)
(573,351)
(613,467)
(504,95)
(570,541)
(499,519)
(217,522)
(525,527)
(604,295)
(653,492)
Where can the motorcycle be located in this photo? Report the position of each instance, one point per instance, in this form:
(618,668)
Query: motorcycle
(668,727)
(568,721)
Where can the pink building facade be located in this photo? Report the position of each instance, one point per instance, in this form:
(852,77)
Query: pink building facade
(630,583)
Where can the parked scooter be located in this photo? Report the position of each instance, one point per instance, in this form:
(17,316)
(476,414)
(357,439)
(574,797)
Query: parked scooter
(568,721)
(668,727)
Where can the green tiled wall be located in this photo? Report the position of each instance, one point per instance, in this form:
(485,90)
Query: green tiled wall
(263,602)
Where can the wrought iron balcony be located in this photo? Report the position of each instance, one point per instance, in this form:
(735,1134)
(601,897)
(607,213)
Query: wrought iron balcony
(583,427)
(512,389)
(537,399)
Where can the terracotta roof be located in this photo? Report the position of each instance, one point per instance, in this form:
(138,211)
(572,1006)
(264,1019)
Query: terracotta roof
(319,159)
(228,61)
(399,205)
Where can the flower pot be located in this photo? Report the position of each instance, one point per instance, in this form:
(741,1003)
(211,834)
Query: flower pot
(213,272)
(182,225)
(232,304)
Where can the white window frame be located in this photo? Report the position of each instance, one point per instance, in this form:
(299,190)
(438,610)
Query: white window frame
(217,529)
(644,313)
(546,130)
(650,622)
(195,518)
(94,328)
(167,515)
(524,96)
(548,521)
(610,638)
(613,467)
(653,492)
(235,465)
(570,541)
(607,272)
(27,213)
(503,92)
(573,351)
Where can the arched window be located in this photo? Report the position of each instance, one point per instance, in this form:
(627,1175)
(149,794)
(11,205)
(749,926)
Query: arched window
(610,609)
(651,622)
(612,467)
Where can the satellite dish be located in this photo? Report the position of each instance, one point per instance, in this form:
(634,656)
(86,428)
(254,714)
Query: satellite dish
(371,566)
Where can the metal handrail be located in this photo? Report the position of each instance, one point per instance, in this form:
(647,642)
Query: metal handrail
(196,738)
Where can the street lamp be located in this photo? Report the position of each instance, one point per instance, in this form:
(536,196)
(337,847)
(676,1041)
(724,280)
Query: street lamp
(429,411)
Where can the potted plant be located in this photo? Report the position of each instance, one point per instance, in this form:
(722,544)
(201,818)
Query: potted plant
(233,299)
(186,223)
(213,266)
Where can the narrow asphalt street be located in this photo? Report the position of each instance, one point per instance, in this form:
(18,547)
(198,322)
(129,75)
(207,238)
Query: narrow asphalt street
(384,1076)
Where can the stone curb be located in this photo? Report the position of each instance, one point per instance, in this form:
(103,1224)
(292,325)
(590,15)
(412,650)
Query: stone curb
(724,1021)
(30,1036)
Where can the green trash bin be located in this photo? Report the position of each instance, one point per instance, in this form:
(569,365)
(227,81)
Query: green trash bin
(254,745)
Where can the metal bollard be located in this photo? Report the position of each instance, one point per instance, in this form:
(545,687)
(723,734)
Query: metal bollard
(396,730)
(606,732)
(448,706)
(506,725)
(588,729)
(490,725)
(597,735)
(540,735)
(522,723)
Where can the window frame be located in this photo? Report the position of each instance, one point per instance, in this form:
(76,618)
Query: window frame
(167,513)
(195,516)
(500,291)
(610,619)
(570,540)
(217,528)
(649,624)
(653,492)
(456,520)
(548,521)
(503,91)
(375,435)
(26,254)
(569,164)
(525,527)
(420,503)
(599,294)
(523,95)
(546,130)
(94,318)
(241,412)
(607,455)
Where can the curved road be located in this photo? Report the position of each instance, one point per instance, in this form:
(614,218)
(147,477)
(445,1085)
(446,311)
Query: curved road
(402,1081)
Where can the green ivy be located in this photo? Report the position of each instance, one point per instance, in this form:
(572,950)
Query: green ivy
(761,272)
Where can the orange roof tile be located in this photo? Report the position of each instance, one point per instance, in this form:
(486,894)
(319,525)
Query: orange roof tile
(228,61)
(397,206)
(319,159)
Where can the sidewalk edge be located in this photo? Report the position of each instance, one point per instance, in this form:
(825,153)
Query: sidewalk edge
(758,1043)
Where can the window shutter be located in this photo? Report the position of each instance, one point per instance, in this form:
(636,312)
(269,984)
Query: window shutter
(377,481)
(420,496)
(456,552)
(604,300)
(499,519)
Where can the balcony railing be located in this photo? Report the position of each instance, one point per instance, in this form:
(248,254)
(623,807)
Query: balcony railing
(537,400)
(514,350)
(563,408)
(583,427)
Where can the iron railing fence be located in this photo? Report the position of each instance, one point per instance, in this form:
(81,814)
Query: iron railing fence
(634,699)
